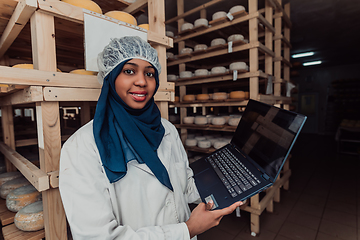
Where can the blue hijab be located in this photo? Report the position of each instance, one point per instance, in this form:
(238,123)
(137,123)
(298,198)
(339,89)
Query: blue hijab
(123,134)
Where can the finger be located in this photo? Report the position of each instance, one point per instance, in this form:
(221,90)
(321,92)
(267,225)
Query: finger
(228,210)
(209,205)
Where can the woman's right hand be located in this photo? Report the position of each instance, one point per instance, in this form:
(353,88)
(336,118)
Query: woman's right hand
(202,218)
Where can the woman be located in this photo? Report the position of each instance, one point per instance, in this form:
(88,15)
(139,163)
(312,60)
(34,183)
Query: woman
(125,175)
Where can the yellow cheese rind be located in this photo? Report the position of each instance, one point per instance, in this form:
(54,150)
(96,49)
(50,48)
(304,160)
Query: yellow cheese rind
(21,197)
(87,4)
(237,95)
(203,96)
(189,97)
(145,26)
(83,72)
(122,16)
(30,218)
(7,187)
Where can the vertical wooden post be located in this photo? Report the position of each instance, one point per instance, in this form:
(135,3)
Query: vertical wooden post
(277,46)
(253,52)
(203,13)
(286,168)
(254,218)
(7,119)
(268,39)
(156,13)
(287,52)
(48,124)
(85,113)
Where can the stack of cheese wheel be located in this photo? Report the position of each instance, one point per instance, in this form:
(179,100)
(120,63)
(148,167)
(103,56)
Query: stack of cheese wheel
(237,95)
(186,51)
(169,34)
(219,144)
(188,120)
(201,22)
(189,97)
(190,142)
(218,70)
(218,15)
(235,37)
(218,41)
(7,187)
(236,9)
(122,16)
(83,72)
(186,74)
(209,118)
(202,97)
(169,55)
(200,47)
(171,77)
(218,121)
(144,26)
(200,120)
(187,26)
(200,138)
(201,72)
(234,120)
(247,95)
(21,197)
(220,96)
(28,66)
(87,4)
(238,66)
(204,144)
(30,218)
(5,177)
(226,118)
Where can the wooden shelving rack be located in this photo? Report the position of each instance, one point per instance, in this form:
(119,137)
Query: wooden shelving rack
(268,45)
(49,33)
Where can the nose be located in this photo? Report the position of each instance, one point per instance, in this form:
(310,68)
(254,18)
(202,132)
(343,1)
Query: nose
(140,80)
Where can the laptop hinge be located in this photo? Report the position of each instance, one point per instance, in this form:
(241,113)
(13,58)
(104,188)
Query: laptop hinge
(265,176)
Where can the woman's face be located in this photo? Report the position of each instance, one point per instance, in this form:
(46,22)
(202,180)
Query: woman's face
(136,83)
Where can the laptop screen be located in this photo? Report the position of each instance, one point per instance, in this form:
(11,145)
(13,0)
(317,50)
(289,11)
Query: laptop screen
(266,134)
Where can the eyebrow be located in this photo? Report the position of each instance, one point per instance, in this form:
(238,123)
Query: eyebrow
(134,64)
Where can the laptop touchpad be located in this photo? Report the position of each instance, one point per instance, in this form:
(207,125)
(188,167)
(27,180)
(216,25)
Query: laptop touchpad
(207,179)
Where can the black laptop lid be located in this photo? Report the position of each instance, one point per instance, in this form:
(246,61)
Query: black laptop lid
(266,134)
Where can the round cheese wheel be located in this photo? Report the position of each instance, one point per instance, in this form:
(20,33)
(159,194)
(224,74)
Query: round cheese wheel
(187,26)
(30,218)
(202,96)
(247,95)
(218,41)
(213,140)
(237,95)
(235,37)
(122,16)
(219,96)
(218,121)
(87,4)
(237,8)
(186,74)
(189,97)
(190,142)
(209,118)
(201,72)
(83,72)
(218,15)
(218,70)
(234,121)
(28,66)
(219,144)
(226,118)
(200,120)
(169,33)
(177,99)
(171,77)
(188,120)
(21,197)
(169,55)
(144,26)
(7,187)
(200,47)
(204,144)
(5,177)
(200,22)
(238,66)
(186,50)
(200,138)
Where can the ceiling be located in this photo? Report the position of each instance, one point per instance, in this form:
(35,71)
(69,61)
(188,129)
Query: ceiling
(330,28)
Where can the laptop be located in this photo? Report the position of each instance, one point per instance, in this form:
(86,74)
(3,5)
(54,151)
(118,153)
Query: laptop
(253,159)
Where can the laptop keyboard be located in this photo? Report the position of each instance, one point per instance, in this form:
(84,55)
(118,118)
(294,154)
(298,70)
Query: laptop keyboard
(236,177)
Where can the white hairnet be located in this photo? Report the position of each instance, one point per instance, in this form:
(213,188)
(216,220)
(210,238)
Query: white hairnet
(122,49)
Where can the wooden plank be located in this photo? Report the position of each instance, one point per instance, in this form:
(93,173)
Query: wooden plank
(22,13)
(71,94)
(54,179)
(18,76)
(194,10)
(268,39)
(28,95)
(160,39)
(11,232)
(266,23)
(7,121)
(34,141)
(62,10)
(48,124)
(33,174)
(136,6)
(7,218)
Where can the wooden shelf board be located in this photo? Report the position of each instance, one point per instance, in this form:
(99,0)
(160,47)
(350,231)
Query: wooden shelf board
(11,232)
(211,103)
(202,150)
(209,127)
(226,19)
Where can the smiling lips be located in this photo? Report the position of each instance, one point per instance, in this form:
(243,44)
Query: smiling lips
(139,96)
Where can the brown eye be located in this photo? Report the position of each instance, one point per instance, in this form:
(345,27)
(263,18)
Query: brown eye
(128,71)
(150,74)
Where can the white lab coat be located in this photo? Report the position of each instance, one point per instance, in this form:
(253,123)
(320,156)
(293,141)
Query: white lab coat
(136,207)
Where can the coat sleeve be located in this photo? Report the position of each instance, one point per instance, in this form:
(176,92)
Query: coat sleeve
(84,192)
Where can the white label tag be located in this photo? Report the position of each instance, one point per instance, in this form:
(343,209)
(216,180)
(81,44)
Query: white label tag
(238,212)
(230,44)
(235,75)
(230,16)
